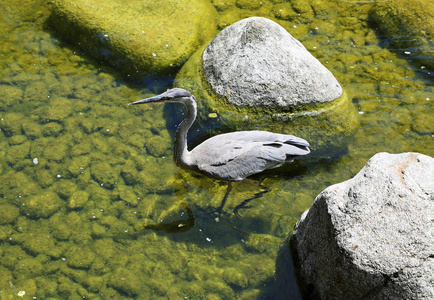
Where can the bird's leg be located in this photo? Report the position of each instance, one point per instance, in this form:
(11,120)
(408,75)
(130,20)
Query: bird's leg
(228,190)
(256,196)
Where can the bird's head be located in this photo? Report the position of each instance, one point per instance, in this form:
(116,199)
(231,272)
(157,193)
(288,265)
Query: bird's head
(174,95)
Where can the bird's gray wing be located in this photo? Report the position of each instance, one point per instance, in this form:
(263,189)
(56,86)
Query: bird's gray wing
(237,155)
(235,161)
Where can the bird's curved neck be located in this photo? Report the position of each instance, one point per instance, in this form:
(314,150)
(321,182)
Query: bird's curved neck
(181,154)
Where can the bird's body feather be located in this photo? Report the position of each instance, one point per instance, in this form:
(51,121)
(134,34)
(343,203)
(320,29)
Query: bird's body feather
(237,155)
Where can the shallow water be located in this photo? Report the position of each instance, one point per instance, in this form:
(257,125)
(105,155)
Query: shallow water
(92,205)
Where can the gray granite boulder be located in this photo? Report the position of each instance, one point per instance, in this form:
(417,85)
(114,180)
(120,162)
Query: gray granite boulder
(256,62)
(371,237)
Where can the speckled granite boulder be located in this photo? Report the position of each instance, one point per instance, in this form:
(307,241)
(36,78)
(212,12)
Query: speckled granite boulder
(137,36)
(257,63)
(411,23)
(371,237)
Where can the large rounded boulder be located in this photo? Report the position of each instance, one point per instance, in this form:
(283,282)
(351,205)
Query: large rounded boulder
(372,236)
(136,36)
(256,62)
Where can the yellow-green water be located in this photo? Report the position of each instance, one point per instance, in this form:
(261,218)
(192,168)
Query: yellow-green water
(81,173)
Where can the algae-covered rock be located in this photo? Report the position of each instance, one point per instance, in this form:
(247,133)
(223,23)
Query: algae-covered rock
(284,11)
(13,185)
(37,243)
(94,283)
(157,176)
(104,174)
(20,11)
(8,213)
(79,257)
(18,153)
(56,149)
(58,109)
(127,194)
(10,123)
(9,95)
(52,129)
(133,35)
(223,4)
(31,129)
(5,232)
(59,228)
(28,267)
(130,175)
(98,230)
(42,205)
(78,164)
(158,145)
(125,281)
(411,26)
(36,92)
(235,278)
(17,140)
(5,276)
(262,243)
(84,147)
(78,199)
(249,4)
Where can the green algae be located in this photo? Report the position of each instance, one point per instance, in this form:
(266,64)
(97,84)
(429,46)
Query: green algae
(84,239)
(144,43)
(8,213)
(41,206)
(411,26)
(78,199)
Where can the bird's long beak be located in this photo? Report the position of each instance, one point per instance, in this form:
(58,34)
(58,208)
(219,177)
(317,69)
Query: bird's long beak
(148,100)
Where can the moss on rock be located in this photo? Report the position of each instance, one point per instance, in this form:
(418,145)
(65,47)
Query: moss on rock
(42,205)
(37,243)
(104,175)
(9,95)
(52,129)
(31,129)
(8,213)
(65,188)
(133,35)
(78,164)
(125,281)
(10,124)
(78,199)
(79,257)
(411,25)
(59,109)
(18,153)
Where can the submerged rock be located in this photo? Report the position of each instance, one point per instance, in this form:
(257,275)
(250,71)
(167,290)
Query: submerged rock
(256,62)
(43,205)
(145,36)
(372,236)
(410,24)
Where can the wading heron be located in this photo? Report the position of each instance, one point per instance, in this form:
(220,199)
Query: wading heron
(231,156)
